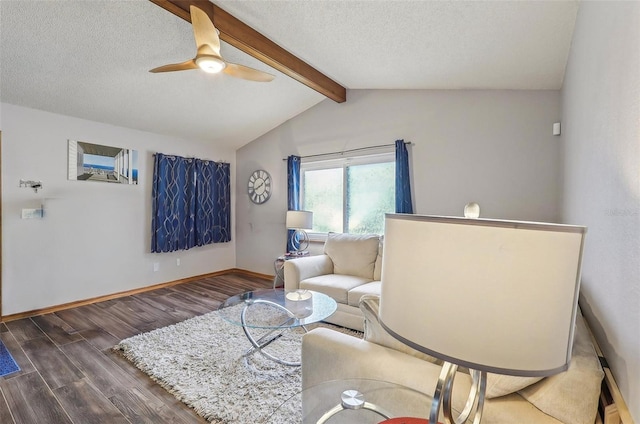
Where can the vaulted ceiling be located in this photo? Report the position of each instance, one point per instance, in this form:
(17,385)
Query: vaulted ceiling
(90,59)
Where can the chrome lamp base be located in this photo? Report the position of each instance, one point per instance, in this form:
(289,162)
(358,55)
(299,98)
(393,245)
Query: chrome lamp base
(300,238)
(443,395)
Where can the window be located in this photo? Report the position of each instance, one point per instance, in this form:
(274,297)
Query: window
(349,195)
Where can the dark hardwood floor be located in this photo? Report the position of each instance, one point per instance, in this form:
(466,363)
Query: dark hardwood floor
(69,374)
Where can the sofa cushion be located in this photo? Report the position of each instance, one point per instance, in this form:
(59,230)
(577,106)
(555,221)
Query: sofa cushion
(375,333)
(333,285)
(354,295)
(352,254)
(571,396)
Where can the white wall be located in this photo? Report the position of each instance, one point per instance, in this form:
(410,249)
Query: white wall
(492,147)
(95,237)
(601,138)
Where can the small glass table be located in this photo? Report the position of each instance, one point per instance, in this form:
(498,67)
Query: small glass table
(360,401)
(278,268)
(277,311)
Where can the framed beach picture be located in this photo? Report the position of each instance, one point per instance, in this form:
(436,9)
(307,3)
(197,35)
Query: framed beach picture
(96,162)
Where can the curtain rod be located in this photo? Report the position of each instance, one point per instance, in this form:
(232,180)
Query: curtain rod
(210,160)
(351,150)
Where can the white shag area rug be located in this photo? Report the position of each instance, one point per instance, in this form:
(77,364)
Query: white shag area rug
(201,361)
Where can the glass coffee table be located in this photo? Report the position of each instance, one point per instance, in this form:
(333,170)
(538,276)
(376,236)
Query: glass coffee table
(276,311)
(360,401)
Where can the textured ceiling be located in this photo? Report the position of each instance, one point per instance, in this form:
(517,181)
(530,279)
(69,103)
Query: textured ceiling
(90,59)
(422,44)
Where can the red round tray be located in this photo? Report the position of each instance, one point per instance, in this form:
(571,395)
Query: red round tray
(405,420)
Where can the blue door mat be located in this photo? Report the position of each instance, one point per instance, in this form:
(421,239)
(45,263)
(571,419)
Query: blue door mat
(7,363)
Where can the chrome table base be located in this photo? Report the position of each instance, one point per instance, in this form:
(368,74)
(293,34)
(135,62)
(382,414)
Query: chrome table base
(265,340)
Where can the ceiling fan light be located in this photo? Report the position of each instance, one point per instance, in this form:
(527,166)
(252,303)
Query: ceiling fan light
(210,64)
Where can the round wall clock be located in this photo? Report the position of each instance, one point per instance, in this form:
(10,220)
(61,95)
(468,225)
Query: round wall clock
(259,187)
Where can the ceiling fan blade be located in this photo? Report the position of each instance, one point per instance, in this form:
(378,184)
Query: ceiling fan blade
(244,72)
(203,30)
(184,66)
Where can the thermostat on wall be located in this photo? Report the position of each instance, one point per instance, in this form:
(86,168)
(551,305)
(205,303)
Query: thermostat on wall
(32,213)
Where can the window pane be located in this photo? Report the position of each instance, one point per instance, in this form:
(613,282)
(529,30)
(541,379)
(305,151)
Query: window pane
(323,196)
(370,194)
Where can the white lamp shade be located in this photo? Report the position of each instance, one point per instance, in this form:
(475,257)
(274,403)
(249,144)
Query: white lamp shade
(299,220)
(498,296)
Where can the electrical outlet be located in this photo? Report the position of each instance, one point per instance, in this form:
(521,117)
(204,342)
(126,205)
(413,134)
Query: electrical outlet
(178,261)
(156,266)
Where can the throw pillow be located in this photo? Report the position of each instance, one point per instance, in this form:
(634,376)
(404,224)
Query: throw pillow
(352,254)
(375,333)
(571,396)
(502,385)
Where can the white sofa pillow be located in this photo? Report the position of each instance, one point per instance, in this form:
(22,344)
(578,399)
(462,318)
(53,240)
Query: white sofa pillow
(502,385)
(571,396)
(583,378)
(352,254)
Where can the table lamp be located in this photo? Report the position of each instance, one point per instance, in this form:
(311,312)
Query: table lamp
(490,295)
(299,221)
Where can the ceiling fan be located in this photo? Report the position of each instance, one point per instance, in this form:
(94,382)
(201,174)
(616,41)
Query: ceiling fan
(208,56)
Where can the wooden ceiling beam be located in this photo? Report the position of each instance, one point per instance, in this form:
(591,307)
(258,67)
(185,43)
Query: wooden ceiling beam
(250,41)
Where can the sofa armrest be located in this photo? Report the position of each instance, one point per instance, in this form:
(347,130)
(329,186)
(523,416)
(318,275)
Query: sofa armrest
(299,269)
(331,355)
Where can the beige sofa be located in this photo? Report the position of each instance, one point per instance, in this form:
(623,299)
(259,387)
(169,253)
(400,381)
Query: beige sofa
(350,267)
(570,397)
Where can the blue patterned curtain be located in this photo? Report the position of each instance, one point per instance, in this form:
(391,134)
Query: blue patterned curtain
(172,203)
(212,205)
(222,204)
(293,195)
(403,183)
(185,204)
(204,172)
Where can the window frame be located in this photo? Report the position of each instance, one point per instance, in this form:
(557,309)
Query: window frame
(343,162)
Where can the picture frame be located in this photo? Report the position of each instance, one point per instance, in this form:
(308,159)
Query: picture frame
(97,162)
